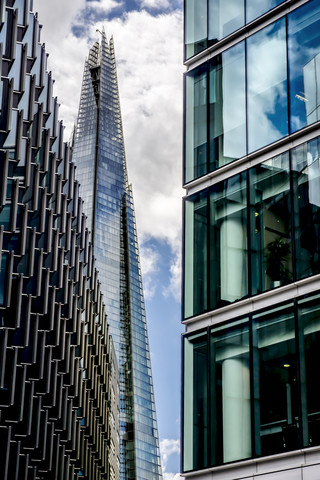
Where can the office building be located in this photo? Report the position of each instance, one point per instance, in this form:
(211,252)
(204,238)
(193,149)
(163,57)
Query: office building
(99,155)
(59,380)
(251,406)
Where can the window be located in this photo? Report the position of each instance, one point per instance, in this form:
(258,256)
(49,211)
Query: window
(251,385)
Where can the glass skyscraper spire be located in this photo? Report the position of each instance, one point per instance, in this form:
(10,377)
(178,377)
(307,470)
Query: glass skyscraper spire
(101,170)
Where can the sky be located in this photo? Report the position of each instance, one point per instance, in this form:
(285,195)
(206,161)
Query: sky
(148,46)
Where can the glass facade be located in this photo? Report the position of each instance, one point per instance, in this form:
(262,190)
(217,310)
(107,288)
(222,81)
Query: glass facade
(108,203)
(239,101)
(251,265)
(208,21)
(259,218)
(250,387)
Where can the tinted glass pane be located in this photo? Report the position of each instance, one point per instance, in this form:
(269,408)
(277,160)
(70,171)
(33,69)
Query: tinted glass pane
(255,8)
(196,124)
(228,241)
(270,224)
(306,178)
(309,317)
(267,86)
(195,402)
(275,382)
(225,17)
(230,393)
(196,254)
(304,65)
(195,26)
(227,107)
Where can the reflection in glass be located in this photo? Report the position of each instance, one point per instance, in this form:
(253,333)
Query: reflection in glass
(224,18)
(255,8)
(196,123)
(309,318)
(227,107)
(306,178)
(196,254)
(271,264)
(304,64)
(267,86)
(228,241)
(195,402)
(275,382)
(230,393)
(195,26)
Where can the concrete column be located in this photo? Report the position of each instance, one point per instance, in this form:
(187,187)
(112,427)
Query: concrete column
(232,260)
(236,410)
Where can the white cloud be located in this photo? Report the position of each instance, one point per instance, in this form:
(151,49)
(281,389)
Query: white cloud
(105,6)
(149,58)
(174,287)
(155,4)
(171,476)
(169,447)
(149,265)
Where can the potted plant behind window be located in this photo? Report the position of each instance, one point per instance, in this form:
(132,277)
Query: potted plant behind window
(277,252)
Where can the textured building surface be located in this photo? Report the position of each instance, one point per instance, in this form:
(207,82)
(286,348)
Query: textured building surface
(101,170)
(59,380)
(251,306)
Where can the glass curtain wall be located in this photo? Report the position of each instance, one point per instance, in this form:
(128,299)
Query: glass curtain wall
(228,241)
(271,261)
(257,83)
(227,107)
(230,393)
(306,184)
(208,21)
(276,232)
(233,411)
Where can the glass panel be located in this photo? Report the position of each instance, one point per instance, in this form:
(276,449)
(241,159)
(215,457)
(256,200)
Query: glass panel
(5,216)
(306,185)
(3,279)
(225,17)
(195,402)
(304,65)
(270,224)
(228,238)
(255,8)
(10,141)
(195,26)
(275,383)
(227,107)
(309,317)
(15,70)
(196,124)
(230,393)
(267,86)
(196,254)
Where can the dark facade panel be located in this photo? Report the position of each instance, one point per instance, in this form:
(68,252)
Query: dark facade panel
(59,380)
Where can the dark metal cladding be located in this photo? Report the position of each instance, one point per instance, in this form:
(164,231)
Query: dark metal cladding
(59,380)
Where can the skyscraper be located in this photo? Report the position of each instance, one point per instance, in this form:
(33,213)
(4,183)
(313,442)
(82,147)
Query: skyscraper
(251,306)
(59,380)
(99,155)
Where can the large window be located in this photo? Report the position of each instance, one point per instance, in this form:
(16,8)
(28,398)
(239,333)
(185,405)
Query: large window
(304,65)
(256,231)
(208,21)
(271,253)
(251,385)
(267,86)
(227,240)
(227,107)
(239,102)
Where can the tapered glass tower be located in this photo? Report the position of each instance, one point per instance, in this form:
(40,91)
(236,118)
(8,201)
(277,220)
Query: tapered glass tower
(101,170)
